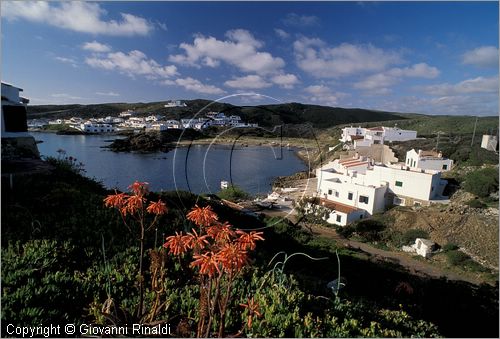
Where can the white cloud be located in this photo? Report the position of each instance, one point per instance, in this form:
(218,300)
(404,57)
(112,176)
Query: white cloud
(469,86)
(194,85)
(248,82)
(293,19)
(421,70)
(315,57)
(485,56)
(240,50)
(95,46)
(132,64)
(379,83)
(108,94)
(323,95)
(79,16)
(281,33)
(65,60)
(287,81)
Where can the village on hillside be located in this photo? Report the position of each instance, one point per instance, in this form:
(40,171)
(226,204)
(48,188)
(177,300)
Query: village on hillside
(129,120)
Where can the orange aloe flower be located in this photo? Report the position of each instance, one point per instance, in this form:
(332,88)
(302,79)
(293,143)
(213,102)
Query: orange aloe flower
(116,200)
(139,188)
(225,233)
(202,216)
(207,262)
(157,208)
(176,244)
(133,204)
(195,241)
(232,257)
(253,309)
(247,240)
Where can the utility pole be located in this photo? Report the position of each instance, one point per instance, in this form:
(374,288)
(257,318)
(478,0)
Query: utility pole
(473,133)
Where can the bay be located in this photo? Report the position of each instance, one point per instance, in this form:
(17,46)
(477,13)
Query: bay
(198,168)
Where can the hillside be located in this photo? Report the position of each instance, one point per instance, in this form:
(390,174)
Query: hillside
(264,115)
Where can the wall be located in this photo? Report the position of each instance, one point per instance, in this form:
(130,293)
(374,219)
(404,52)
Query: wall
(415,184)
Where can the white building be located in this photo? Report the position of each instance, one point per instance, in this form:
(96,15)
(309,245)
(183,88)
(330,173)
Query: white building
(16,141)
(430,160)
(359,136)
(360,184)
(175,103)
(14,121)
(489,142)
(91,127)
(339,214)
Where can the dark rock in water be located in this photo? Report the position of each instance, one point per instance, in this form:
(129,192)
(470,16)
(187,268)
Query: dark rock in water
(149,142)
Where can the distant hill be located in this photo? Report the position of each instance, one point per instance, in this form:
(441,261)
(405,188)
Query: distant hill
(264,115)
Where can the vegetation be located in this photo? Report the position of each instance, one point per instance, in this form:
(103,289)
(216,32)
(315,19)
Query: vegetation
(233,193)
(67,258)
(264,115)
(476,203)
(482,182)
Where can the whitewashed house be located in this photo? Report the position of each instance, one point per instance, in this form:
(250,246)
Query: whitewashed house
(14,131)
(362,184)
(431,160)
(92,127)
(175,103)
(363,137)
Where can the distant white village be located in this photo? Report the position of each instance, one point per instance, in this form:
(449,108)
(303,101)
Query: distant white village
(128,120)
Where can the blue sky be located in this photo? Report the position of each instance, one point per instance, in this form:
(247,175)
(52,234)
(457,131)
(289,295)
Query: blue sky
(423,57)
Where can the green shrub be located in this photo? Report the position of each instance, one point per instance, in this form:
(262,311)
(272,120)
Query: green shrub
(410,236)
(476,203)
(39,285)
(233,193)
(450,247)
(482,182)
(457,258)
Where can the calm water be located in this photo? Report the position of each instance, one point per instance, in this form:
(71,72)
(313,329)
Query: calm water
(199,168)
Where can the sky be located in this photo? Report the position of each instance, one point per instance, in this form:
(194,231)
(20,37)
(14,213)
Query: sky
(416,57)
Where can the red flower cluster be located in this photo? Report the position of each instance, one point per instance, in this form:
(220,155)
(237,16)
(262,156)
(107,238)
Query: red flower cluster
(130,204)
(219,249)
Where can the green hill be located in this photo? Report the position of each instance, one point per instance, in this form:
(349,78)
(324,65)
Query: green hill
(264,115)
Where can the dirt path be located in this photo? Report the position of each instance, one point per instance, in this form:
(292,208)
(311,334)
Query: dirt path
(414,266)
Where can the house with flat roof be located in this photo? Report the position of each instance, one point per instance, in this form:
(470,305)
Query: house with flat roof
(363,137)
(16,141)
(431,160)
(372,187)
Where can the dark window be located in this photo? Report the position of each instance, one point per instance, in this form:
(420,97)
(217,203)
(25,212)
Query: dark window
(336,194)
(399,183)
(14,118)
(445,167)
(363,199)
(349,196)
(339,218)
(361,216)
(329,192)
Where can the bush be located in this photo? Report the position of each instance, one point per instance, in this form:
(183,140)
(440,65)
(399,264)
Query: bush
(482,182)
(410,236)
(233,193)
(457,258)
(450,247)
(476,203)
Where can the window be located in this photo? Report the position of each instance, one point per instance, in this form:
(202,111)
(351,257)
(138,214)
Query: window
(445,167)
(349,196)
(399,183)
(330,192)
(339,218)
(361,216)
(336,194)
(363,199)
